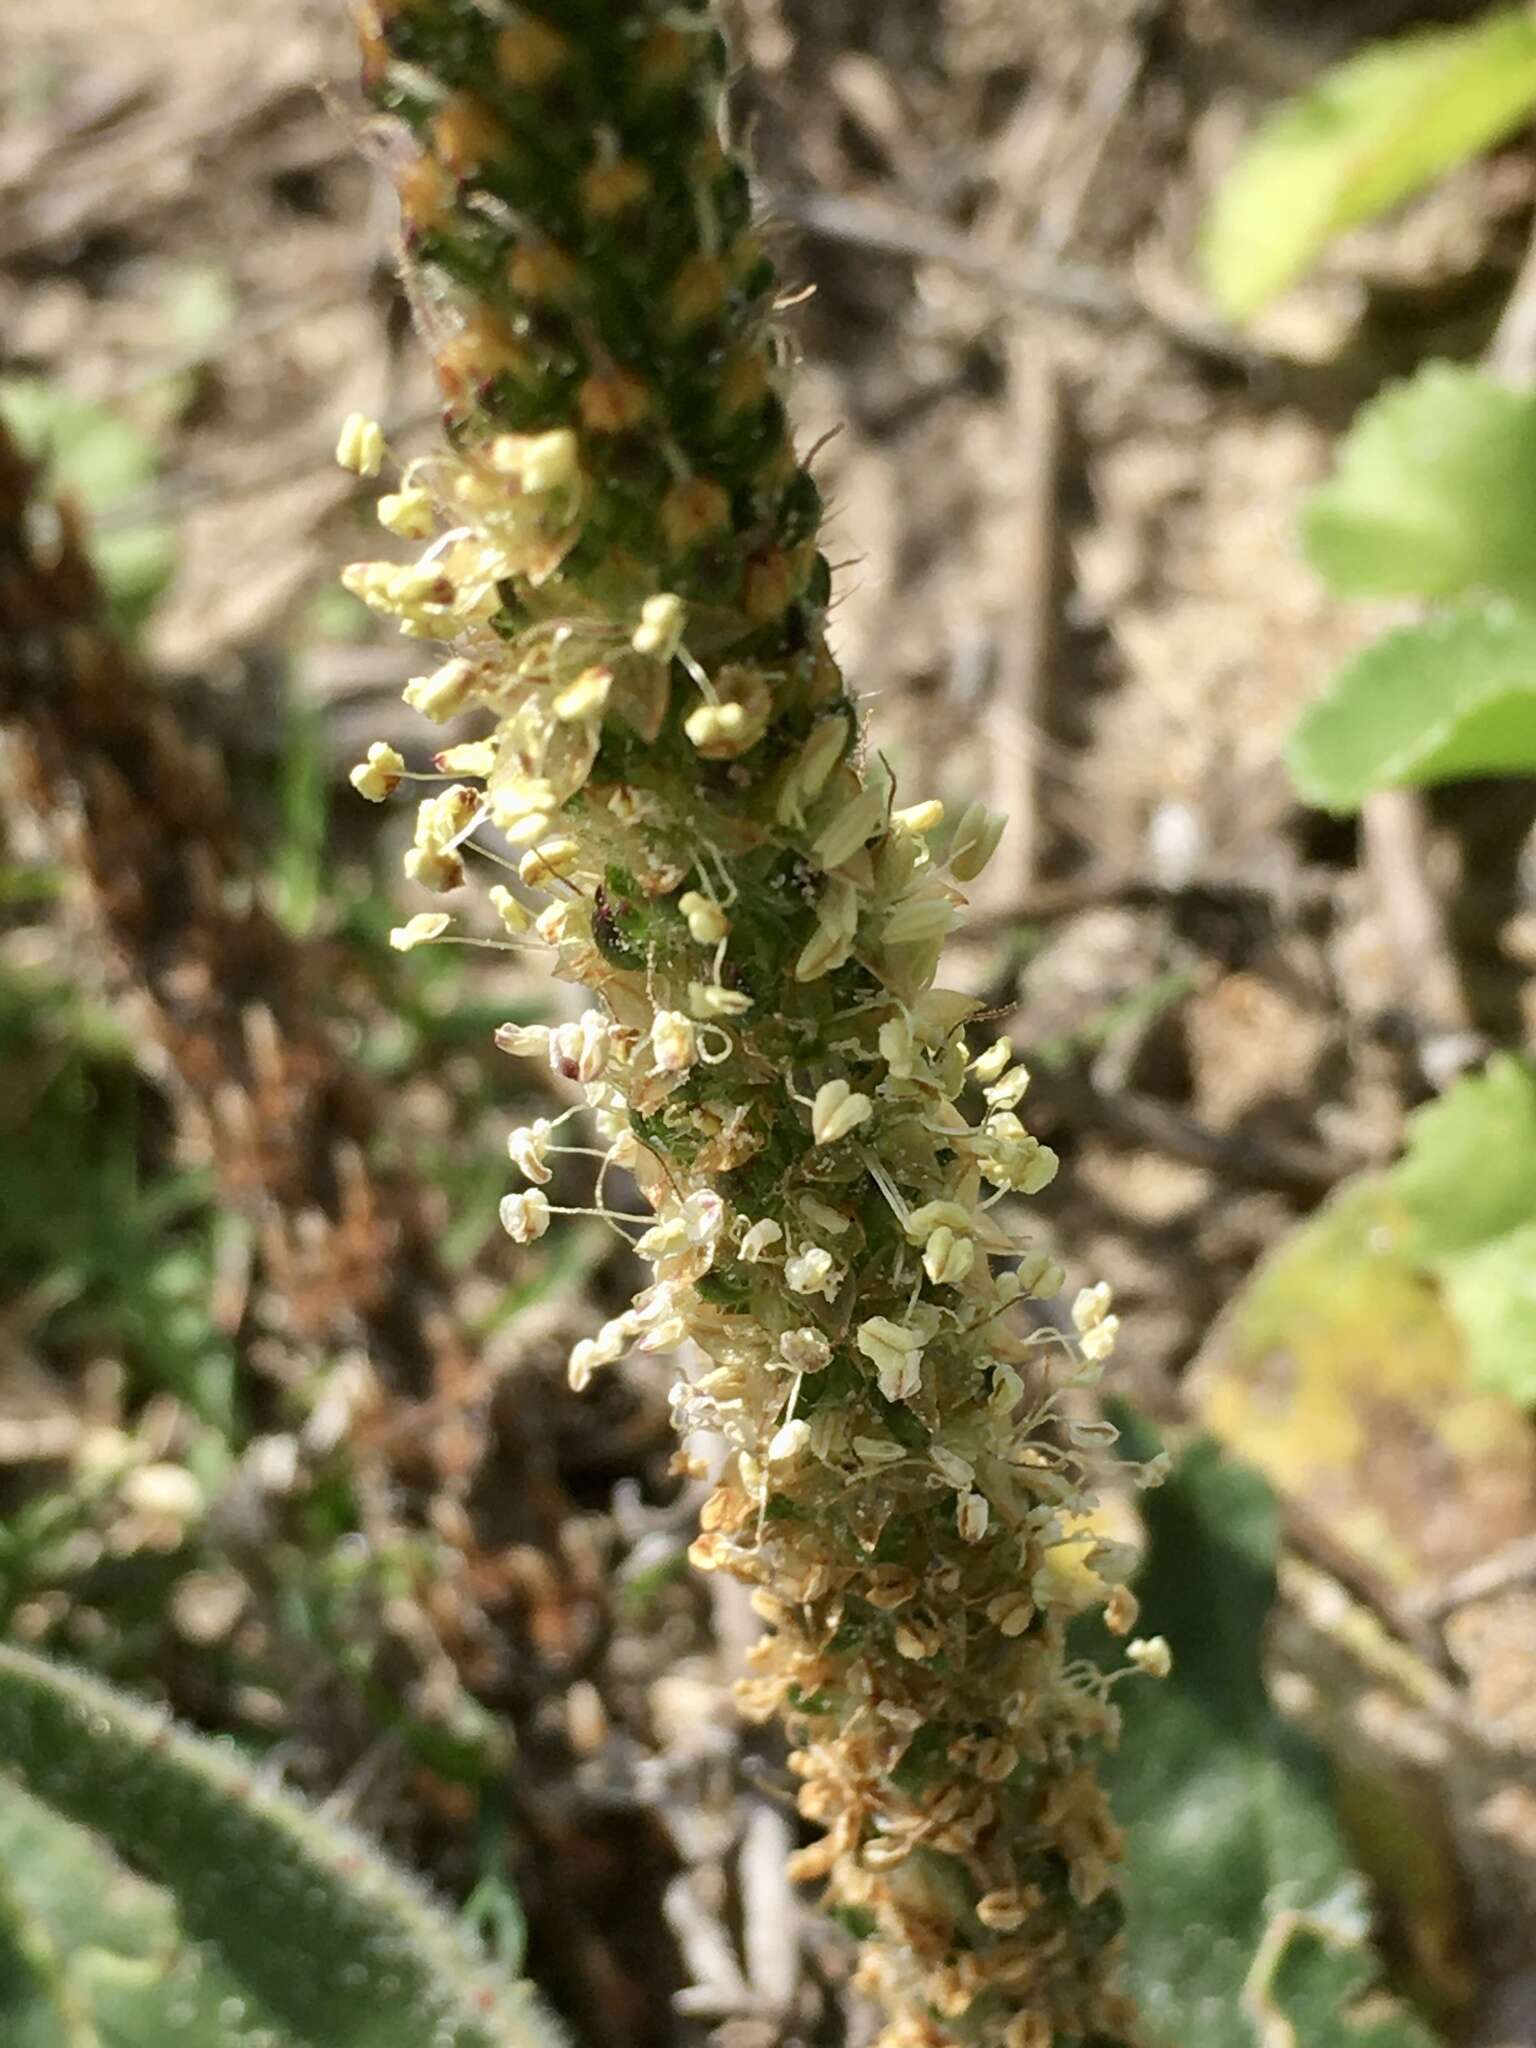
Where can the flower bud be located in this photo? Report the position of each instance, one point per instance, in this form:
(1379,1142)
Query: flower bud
(674,1041)
(707,922)
(420,930)
(805,1350)
(360,445)
(379,776)
(525,1217)
(837,1111)
(975,841)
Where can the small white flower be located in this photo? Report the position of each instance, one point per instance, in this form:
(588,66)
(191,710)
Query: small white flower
(550,861)
(896,1354)
(703,1217)
(378,776)
(525,1217)
(790,1444)
(473,757)
(540,462)
(820,1217)
(971,1517)
(663,1240)
(445,693)
(624,1150)
(1091,1306)
(162,1490)
(1097,1344)
(660,631)
(920,818)
(579,1051)
(674,1041)
(932,1216)
(525,1041)
(708,1000)
(987,1066)
(360,445)
(581,1365)
(723,732)
(948,1259)
(586,697)
(811,1271)
(408,513)
(1150,1654)
(528,1150)
(514,916)
(606,1348)
(554,922)
(805,1350)
(420,930)
(1010,1091)
(707,922)
(1039,1274)
(434,868)
(896,1047)
(761,1239)
(836,1111)
(958,1471)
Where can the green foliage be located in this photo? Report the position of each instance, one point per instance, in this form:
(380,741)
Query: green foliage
(1434,497)
(298,862)
(1370,133)
(1243,1915)
(1492,1293)
(1468,1180)
(243,1919)
(98,454)
(1434,493)
(1411,1295)
(1430,703)
(1469,1174)
(101,1248)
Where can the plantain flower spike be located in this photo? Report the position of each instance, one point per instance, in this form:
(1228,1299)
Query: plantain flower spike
(618,569)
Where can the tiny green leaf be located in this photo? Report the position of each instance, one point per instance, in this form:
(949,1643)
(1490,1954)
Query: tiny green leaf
(1469,1174)
(1492,1292)
(1453,697)
(1373,131)
(1434,493)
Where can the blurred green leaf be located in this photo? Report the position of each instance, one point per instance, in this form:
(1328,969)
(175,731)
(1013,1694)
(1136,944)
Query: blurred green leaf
(1453,697)
(200,303)
(1468,1180)
(1434,492)
(111,1965)
(1469,1173)
(101,456)
(102,1250)
(1242,1909)
(304,810)
(1374,130)
(1492,1294)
